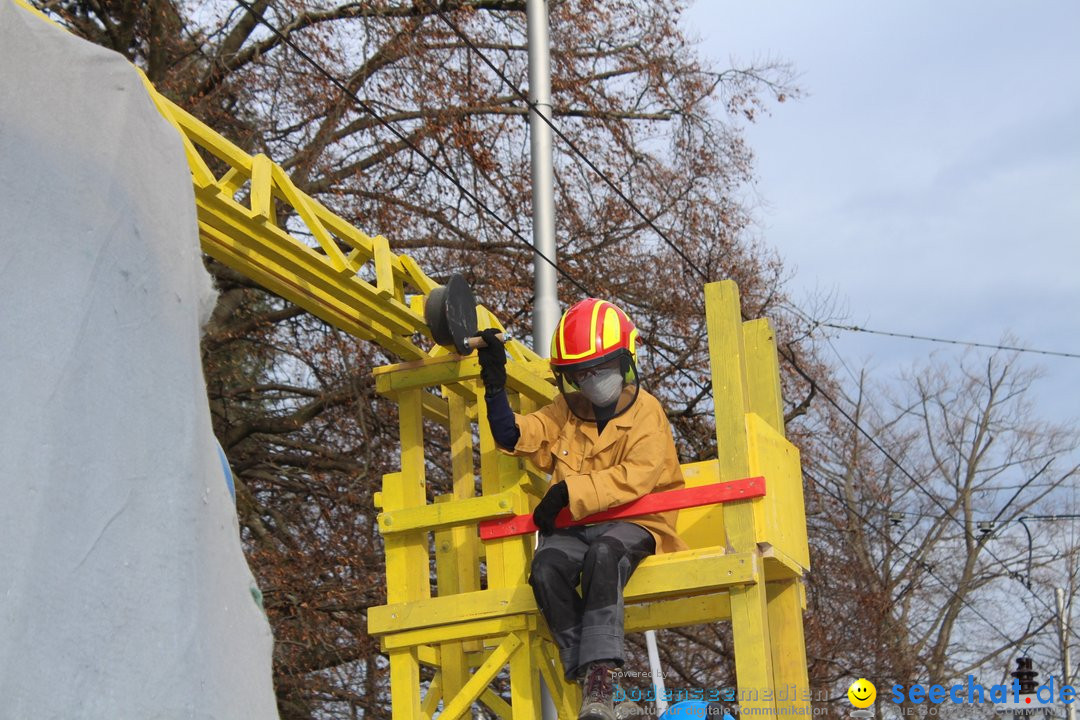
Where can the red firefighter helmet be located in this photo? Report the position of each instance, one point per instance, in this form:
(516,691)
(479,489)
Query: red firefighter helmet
(590,333)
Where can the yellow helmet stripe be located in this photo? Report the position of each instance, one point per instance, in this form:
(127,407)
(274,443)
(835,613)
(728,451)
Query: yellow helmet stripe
(612,327)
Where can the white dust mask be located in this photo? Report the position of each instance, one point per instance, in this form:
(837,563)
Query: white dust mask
(602,388)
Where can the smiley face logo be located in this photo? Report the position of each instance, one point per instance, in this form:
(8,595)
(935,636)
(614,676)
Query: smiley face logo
(862,693)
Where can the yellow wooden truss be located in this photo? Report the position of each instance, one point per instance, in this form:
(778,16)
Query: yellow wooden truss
(474,621)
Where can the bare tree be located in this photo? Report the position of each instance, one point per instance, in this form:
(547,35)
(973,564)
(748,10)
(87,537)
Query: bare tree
(918,574)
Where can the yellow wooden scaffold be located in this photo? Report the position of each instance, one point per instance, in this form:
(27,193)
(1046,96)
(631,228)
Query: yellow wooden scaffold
(747,558)
(746,561)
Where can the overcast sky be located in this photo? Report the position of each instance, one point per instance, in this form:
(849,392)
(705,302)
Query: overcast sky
(930,177)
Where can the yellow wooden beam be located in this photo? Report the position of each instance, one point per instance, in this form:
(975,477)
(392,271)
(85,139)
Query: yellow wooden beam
(678,612)
(483,676)
(566,695)
(262,191)
(458,631)
(464,543)
(451,369)
(788,646)
(428,655)
(496,704)
(322,281)
(724,323)
(683,573)
(779,566)
(749,616)
(433,696)
(524,680)
(780,516)
(449,514)
(404,685)
(689,572)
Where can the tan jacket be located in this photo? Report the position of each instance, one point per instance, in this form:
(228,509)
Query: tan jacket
(634,456)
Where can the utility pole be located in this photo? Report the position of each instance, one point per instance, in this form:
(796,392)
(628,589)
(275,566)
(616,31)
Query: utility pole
(1066,657)
(545,291)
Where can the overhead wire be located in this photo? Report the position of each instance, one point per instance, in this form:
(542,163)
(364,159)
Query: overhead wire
(906,336)
(404,139)
(533,106)
(588,161)
(934,498)
(571,144)
(366,107)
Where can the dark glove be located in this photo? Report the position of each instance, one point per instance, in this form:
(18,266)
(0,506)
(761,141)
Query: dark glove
(557,497)
(492,362)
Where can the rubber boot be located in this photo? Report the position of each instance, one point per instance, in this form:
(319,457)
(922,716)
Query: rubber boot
(596,701)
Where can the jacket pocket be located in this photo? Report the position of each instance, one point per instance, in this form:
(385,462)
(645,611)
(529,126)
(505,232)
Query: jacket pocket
(566,456)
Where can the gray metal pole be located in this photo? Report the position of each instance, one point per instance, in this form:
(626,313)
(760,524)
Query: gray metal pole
(657,672)
(546,298)
(545,294)
(1066,658)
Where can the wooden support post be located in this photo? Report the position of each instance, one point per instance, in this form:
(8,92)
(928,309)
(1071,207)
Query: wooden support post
(784,597)
(456,549)
(524,680)
(749,608)
(404,685)
(788,647)
(407,553)
(490,484)
(508,558)
(728,376)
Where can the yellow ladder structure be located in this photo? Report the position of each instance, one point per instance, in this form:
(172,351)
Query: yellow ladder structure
(747,558)
(478,616)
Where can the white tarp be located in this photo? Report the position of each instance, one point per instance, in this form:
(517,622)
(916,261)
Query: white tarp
(124,592)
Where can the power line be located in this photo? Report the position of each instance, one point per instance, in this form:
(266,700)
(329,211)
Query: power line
(931,516)
(905,336)
(603,176)
(411,145)
(461,188)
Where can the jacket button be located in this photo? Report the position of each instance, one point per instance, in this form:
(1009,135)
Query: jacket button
(565,452)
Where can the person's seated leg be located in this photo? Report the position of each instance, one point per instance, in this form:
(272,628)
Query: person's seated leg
(615,550)
(554,577)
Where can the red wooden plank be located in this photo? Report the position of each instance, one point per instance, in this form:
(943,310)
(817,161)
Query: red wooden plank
(653,503)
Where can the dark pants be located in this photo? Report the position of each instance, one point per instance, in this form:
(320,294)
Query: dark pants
(587,627)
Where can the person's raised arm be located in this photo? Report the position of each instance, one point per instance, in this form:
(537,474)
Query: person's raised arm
(492,359)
